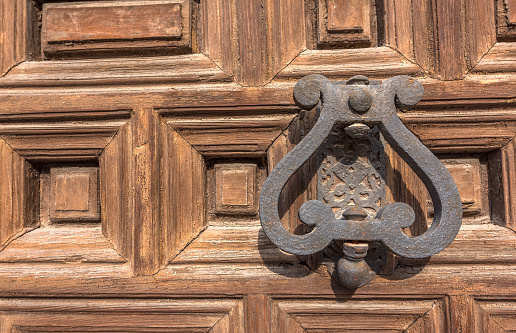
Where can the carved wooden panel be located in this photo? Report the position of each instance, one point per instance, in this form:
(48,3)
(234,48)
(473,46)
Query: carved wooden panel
(360,314)
(118,315)
(347,23)
(117,27)
(19,195)
(273,30)
(447,38)
(496,315)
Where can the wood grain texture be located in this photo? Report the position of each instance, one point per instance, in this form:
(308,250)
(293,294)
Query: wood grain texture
(232,245)
(182,196)
(232,322)
(494,315)
(117,28)
(145,126)
(282,322)
(61,245)
(42,140)
(459,131)
(216,133)
(323,315)
(236,188)
(116,192)
(500,59)
(446,38)
(101,315)
(461,313)
(226,276)
(253,39)
(19,195)
(405,186)
(375,62)
(15,30)
(479,29)
(144,70)
(502,166)
(257,313)
(302,186)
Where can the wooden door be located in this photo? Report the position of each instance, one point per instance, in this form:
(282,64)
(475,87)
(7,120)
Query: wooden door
(136,135)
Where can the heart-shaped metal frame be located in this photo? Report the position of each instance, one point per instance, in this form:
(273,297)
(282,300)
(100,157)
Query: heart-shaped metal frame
(358,102)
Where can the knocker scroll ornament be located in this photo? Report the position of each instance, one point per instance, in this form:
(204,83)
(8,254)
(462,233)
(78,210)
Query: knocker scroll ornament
(350,113)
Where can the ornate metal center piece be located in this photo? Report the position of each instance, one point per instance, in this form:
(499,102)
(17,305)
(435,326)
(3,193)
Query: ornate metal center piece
(347,137)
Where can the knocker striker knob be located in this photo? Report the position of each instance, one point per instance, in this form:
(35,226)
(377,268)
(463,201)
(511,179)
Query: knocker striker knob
(351,212)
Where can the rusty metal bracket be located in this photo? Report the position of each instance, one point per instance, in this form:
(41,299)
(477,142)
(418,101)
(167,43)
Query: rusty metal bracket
(357,106)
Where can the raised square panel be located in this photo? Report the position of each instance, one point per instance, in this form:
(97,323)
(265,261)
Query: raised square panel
(235,188)
(467,176)
(345,22)
(107,25)
(74,194)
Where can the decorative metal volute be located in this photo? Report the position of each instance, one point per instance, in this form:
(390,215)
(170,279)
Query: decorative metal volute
(359,106)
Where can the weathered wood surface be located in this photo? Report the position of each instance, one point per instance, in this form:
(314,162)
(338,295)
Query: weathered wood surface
(157,125)
(115,28)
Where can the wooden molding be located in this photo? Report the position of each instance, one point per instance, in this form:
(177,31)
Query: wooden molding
(146,70)
(19,195)
(62,244)
(245,131)
(502,166)
(182,199)
(44,141)
(377,62)
(466,172)
(455,131)
(409,315)
(116,192)
(118,28)
(154,315)
(494,315)
(500,59)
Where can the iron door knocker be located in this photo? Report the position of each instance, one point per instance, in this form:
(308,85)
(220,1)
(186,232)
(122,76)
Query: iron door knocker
(359,107)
